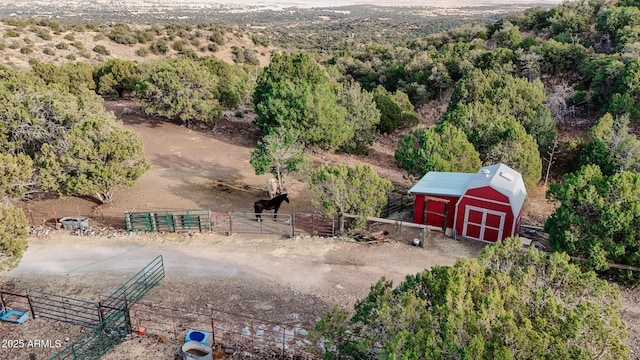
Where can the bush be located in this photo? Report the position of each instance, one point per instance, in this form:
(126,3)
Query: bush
(11,33)
(13,236)
(26,50)
(260,40)
(178,45)
(49,51)
(217,36)
(121,34)
(41,33)
(144,52)
(159,47)
(100,49)
(213,47)
(62,46)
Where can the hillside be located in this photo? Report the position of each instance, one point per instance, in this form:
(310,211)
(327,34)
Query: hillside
(23,41)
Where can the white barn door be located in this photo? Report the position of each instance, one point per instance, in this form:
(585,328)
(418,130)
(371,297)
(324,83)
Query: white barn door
(483,224)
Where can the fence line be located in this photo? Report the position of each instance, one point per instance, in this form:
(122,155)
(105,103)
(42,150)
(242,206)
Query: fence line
(231,223)
(64,309)
(231,330)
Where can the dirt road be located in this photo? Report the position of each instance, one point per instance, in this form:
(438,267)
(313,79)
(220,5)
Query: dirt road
(272,278)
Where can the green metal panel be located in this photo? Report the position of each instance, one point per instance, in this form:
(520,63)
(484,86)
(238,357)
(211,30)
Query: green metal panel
(114,309)
(174,220)
(97,342)
(137,286)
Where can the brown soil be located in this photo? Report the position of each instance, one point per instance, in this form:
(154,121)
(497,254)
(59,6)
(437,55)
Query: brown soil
(272,280)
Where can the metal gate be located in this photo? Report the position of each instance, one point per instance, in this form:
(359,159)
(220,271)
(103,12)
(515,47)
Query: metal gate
(135,288)
(171,220)
(114,314)
(97,342)
(65,309)
(247,223)
(314,225)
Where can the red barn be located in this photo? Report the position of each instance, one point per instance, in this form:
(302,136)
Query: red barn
(485,206)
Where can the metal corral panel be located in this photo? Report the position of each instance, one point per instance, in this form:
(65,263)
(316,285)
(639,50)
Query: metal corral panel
(171,220)
(65,309)
(247,223)
(314,225)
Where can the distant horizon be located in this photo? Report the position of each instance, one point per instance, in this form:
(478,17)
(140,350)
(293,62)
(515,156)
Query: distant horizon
(292,3)
(338,3)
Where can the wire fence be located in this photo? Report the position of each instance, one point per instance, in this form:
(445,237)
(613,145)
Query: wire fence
(234,332)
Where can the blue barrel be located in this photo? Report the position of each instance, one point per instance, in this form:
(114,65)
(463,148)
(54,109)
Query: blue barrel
(202,337)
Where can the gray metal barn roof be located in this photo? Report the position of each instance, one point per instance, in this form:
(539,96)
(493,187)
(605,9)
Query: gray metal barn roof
(442,183)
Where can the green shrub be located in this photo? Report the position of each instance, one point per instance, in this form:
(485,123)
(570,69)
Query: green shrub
(49,51)
(13,237)
(85,53)
(190,53)
(143,51)
(217,36)
(26,50)
(159,47)
(102,50)
(178,45)
(41,33)
(11,33)
(213,47)
(62,46)
(121,34)
(260,40)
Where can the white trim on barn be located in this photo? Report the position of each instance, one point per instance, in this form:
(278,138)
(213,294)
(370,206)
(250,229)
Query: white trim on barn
(482,225)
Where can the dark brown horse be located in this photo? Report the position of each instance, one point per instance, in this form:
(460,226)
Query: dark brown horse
(273,204)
